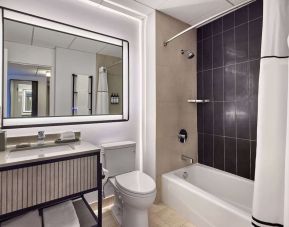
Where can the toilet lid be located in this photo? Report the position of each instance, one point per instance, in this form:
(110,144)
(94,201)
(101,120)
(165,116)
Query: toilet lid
(136,182)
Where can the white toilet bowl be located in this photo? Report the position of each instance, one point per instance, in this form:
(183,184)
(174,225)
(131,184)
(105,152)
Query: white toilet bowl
(135,193)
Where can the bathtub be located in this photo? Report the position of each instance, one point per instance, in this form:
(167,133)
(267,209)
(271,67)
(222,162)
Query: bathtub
(209,197)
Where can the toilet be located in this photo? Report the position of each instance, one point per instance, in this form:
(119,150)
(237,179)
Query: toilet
(134,190)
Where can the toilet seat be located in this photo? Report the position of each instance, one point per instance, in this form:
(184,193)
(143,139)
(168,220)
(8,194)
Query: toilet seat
(136,184)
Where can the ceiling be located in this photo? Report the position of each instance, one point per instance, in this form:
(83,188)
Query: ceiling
(190,11)
(35,36)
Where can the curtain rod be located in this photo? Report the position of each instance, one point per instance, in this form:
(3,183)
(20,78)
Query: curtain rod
(223,13)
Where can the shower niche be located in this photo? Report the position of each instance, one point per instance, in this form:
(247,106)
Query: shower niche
(60,73)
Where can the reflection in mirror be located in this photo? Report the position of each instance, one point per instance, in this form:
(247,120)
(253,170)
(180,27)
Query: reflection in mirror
(50,73)
(28,90)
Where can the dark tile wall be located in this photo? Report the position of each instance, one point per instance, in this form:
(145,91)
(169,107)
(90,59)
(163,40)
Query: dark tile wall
(228,71)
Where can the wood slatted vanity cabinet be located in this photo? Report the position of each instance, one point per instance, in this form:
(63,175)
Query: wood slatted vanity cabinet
(30,181)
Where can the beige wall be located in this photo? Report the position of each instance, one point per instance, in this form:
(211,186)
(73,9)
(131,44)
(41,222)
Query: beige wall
(176,82)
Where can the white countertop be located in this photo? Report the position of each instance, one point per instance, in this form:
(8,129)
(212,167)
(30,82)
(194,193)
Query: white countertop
(11,158)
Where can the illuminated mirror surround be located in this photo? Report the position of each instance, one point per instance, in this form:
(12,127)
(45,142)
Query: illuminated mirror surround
(27,113)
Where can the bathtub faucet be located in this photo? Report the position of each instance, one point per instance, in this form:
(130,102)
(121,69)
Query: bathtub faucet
(187,159)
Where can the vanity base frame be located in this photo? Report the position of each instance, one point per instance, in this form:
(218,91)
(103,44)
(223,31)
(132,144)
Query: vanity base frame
(77,166)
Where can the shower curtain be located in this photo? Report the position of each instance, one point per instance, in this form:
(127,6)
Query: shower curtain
(102,103)
(271,190)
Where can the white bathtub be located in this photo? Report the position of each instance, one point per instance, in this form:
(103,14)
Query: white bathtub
(209,197)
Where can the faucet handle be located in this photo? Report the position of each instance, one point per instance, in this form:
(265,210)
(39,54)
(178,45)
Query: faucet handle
(41,135)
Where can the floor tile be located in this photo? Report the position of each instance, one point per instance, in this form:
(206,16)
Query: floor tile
(159,216)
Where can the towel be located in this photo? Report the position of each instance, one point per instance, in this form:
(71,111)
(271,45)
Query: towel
(102,106)
(62,215)
(102,102)
(102,79)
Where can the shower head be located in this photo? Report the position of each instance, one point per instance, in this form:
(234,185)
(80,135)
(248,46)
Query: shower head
(189,54)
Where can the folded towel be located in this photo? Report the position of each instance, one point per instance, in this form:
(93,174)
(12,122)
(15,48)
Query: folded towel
(31,219)
(62,215)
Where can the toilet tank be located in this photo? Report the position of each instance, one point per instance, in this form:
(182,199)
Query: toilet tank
(119,157)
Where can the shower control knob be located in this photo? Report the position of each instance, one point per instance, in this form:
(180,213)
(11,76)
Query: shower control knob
(183,136)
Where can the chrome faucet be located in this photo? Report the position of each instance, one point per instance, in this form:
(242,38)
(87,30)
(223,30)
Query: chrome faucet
(40,137)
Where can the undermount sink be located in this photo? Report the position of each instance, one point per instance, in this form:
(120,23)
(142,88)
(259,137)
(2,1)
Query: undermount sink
(38,151)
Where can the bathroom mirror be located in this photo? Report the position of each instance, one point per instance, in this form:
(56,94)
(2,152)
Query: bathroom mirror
(55,73)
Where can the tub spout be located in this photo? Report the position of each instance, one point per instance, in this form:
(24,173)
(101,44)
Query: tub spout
(187,159)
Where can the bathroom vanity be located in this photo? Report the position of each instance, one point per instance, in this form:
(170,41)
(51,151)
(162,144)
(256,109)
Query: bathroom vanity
(44,175)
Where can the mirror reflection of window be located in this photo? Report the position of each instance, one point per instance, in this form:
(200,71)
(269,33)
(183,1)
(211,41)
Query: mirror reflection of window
(47,59)
(27,101)
(29,89)
(82,95)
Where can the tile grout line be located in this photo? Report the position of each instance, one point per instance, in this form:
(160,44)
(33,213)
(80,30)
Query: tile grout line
(228,137)
(249,102)
(228,65)
(236,118)
(213,106)
(223,125)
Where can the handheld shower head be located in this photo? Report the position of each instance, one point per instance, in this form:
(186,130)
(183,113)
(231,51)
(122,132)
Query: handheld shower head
(189,54)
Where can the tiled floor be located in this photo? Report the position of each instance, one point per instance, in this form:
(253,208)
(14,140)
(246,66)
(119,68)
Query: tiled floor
(159,216)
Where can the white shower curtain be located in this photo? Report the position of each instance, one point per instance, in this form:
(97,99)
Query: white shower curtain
(271,191)
(102,102)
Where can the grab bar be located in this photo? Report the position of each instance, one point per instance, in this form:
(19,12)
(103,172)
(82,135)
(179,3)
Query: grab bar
(187,159)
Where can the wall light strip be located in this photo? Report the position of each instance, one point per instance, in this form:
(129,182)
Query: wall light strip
(116,8)
(130,13)
(125,8)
